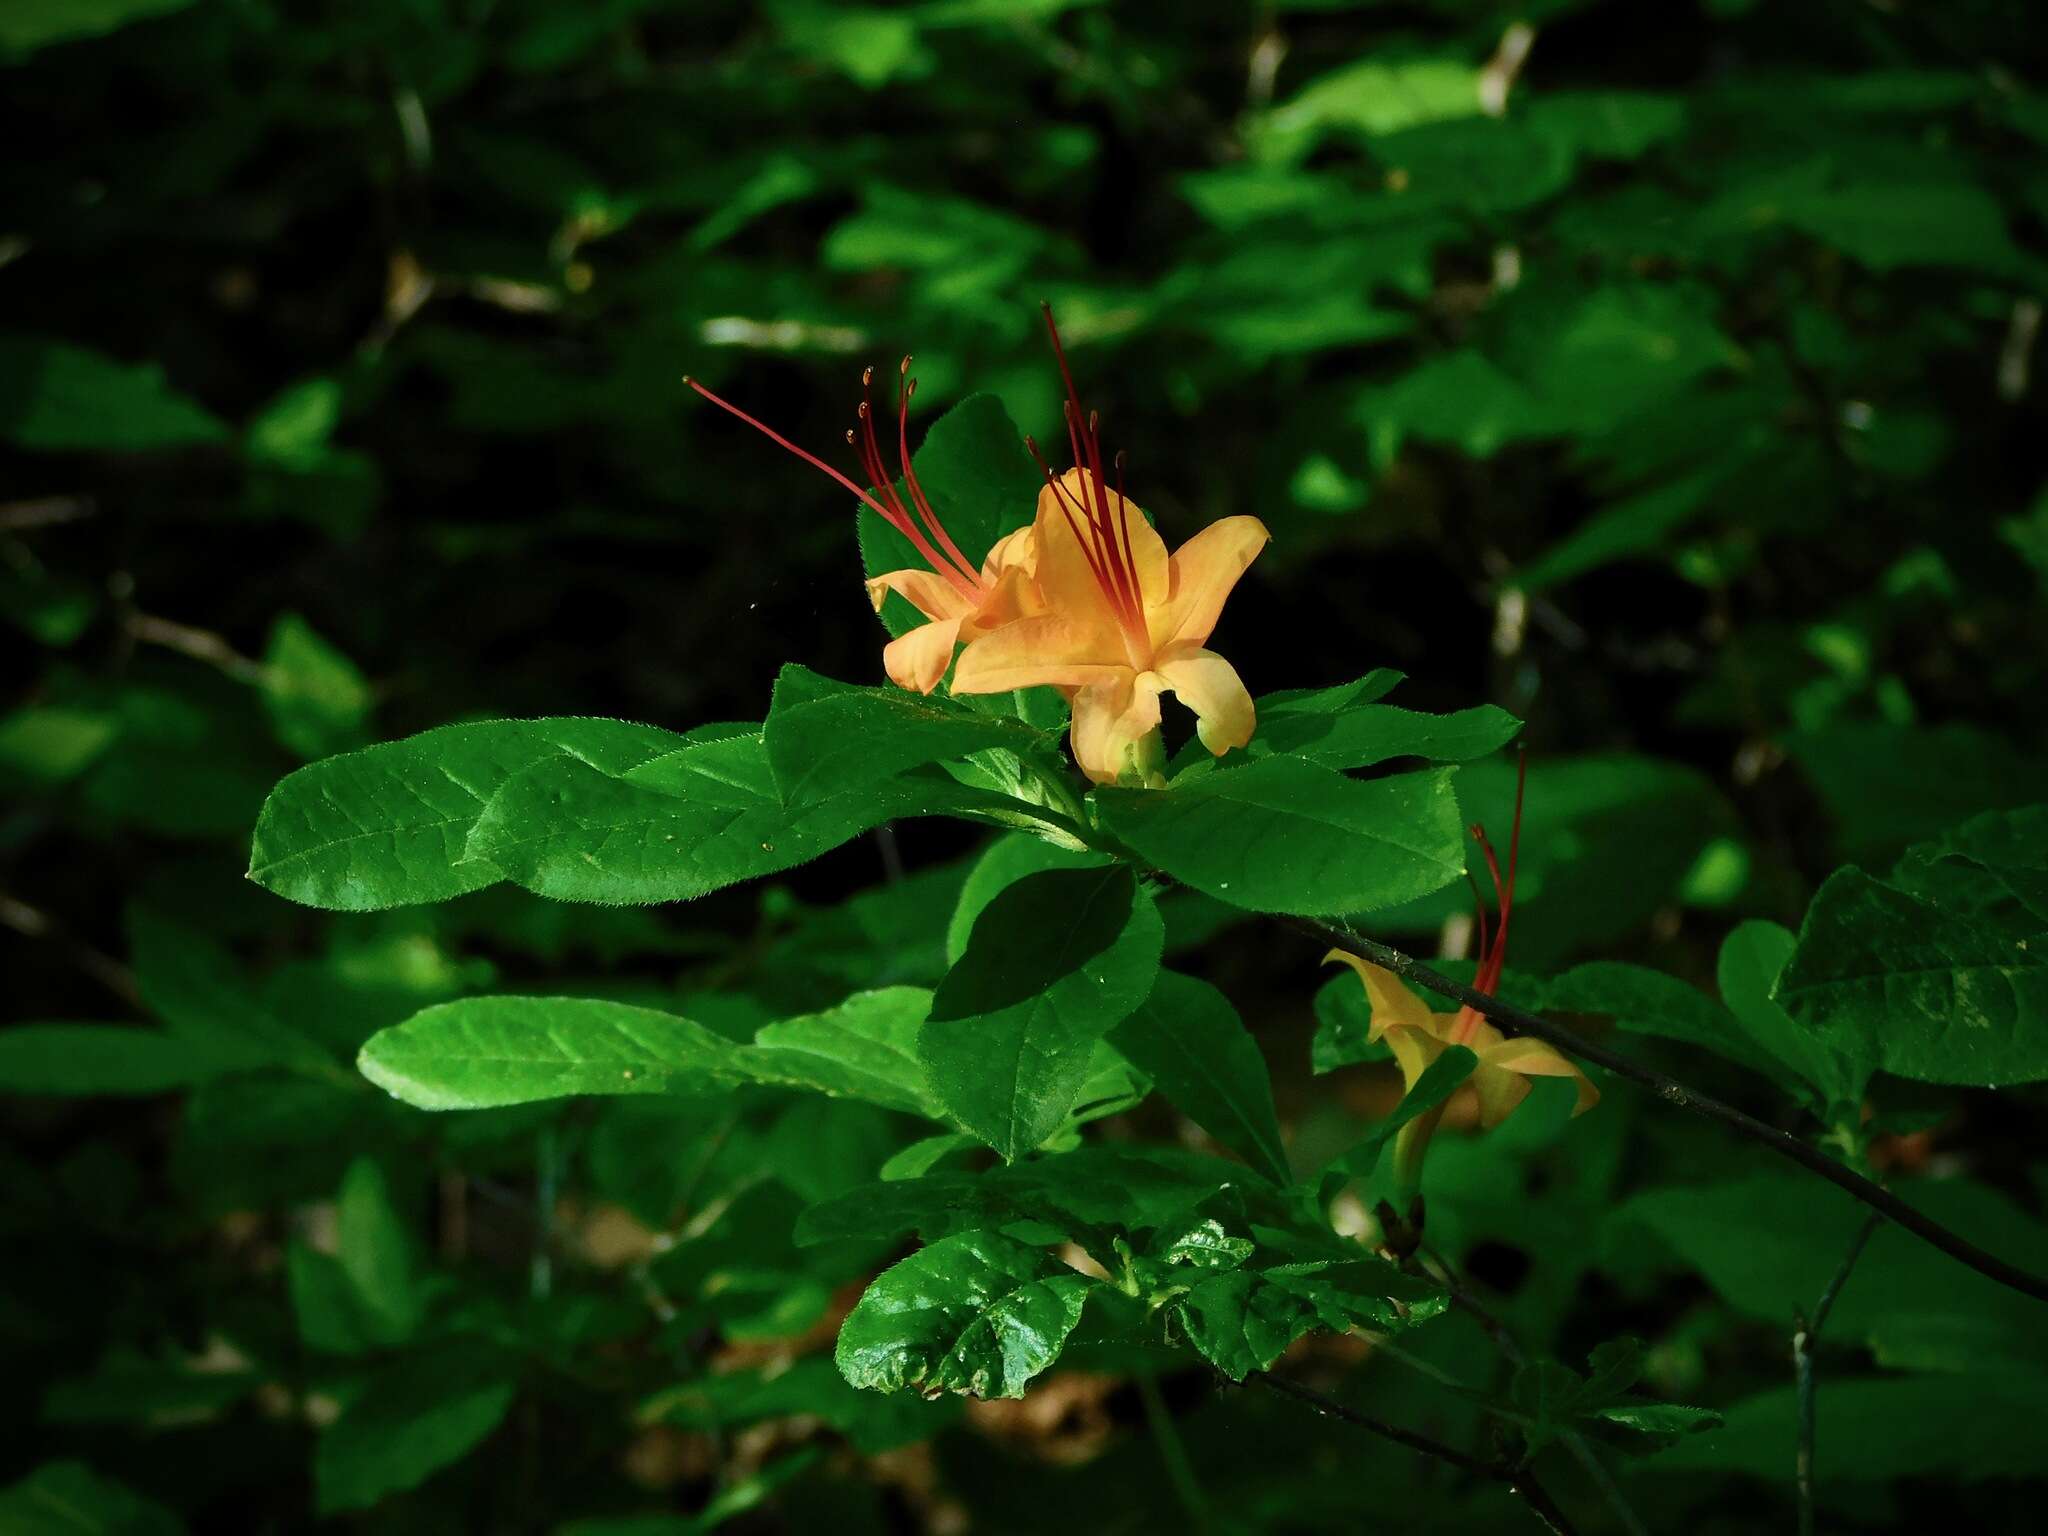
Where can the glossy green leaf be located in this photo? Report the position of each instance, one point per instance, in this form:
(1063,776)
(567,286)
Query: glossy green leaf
(1886,977)
(1244,1320)
(388,826)
(1284,835)
(1367,734)
(866,1048)
(977,1313)
(1753,956)
(1053,962)
(825,739)
(682,825)
(485,1051)
(1188,1039)
(1007,860)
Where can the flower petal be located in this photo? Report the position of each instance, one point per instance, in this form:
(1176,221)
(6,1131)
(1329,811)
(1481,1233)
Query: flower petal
(1535,1058)
(1109,718)
(1203,572)
(919,659)
(1499,1092)
(1415,1052)
(1058,648)
(926,591)
(1009,595)
(1392,1005)
(1017,550)
(1067,541)
(1210,686)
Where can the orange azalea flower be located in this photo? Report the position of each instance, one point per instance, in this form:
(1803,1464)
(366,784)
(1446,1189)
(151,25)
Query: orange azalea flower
(1418,1036)
(960,601)
(1122,621)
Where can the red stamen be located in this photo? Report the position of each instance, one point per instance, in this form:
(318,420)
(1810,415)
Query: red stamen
(1068,506)
(1114,566)
(894,516)
(907,387)
(964,582)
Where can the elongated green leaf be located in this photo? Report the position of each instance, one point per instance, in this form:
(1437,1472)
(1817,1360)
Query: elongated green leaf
(1372,733)
(76,1059)
(688,823)
(1189,1040)
(1437,1083)
(64,399)
(1244,1320)
(68,1498)
(411,1420)
(1007,860)
(1874,1429)
(866,1048)
(376,1254)
(317,699)
(981,482)
(824,739)
(485,1051)
(978,1313)
(386,826)
(194,985)
(1752,958)
(1887,977)
(1285,835)
(1054,962)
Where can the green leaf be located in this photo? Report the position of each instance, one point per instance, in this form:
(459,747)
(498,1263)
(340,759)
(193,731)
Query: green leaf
(1007,860)
(1753,956)
(68,1498)
(1990,860)
(1886,977)
(198,990)
(325,1305)
(1343,1027)
(293,429)
(1887,785)
(1367,734)
(376,1254)
(1244,1320)
(866,1048)
(1437,1083)
(1283,835)
(94,1059)
(1053,962)
(683,825)
(981,482)
(43,747)
(1189,1040)
(387,826)
(825,739)
(1649,1002)
(1877,1429)
(977,1313)
(484,1051)
(408,1421)
(1887,225)
(58,398)
(318,701)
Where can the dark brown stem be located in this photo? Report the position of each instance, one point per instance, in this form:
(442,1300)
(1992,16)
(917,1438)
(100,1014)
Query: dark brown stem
(1517,1480)
(1520,1021)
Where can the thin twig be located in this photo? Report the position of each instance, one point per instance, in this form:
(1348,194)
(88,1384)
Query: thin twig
(1520,1021)
(1804,1337)
(199,644)
(1519,1481)
(34,923)
(1511,1351)
(44,512)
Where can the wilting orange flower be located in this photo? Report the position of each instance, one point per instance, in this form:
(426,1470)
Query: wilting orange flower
(960,600)
(1122,622)
(1418,1036)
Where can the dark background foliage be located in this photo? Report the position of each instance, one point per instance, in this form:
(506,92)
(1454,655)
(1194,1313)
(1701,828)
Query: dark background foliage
(1685,404)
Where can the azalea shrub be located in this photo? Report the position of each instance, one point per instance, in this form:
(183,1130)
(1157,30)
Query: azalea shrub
(1370,852)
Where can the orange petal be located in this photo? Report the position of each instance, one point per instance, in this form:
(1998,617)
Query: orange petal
(1203,572)
(1415,1052)
(930,594)
(1392,1005)
(1010,595)
(1499,1091)
(1109,718)
(1013,551)
(1210,686)
(919,659)
(1535,1058)
(1066,541)
(1058,648)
